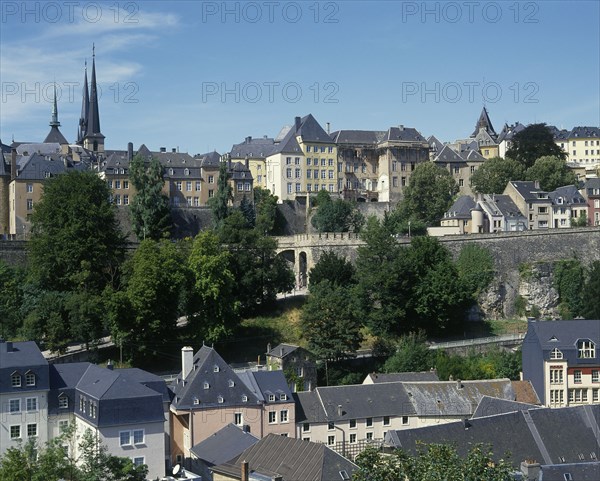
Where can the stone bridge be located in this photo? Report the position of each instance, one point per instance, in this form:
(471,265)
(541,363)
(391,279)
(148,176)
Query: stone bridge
(510,249)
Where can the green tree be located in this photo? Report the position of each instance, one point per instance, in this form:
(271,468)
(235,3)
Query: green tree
(428,195)
(476,269)
(75,238)
(48,321)
(144,314)
(247,210)
(12,283)
(533,142)
(336,215)
(412,354)
(85,311)
(494,174)
(591,306)
(219,204)
(552,172)
(399,226)
(569,281)
(214,308)
(330,322)
(149,209)
(334,269)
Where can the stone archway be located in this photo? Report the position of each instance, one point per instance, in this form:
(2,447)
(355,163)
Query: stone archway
(302,273)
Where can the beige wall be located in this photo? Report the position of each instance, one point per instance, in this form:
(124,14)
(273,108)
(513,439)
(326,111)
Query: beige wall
(19,224)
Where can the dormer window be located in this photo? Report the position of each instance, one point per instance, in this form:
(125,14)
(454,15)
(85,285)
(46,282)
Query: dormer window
(30,379)
(244,398)
(63,402)
(220,399)
(196,401)
(216,368)
(283,397)
(186,172)
(15,380)
(231,383)
(586,349)
(206,385)
(170,171)
(271,397)
(556,354)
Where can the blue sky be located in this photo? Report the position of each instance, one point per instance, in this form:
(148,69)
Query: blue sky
(204,75)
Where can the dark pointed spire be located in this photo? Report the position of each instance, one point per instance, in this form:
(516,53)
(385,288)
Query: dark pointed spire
(93,120)
(54,122)
(485,123)
(85,107)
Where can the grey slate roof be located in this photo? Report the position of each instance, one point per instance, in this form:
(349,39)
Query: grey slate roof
(259,148)
(502,204)
(361,137)
(224,445)
(239,171)
(591,185)
(568,195)
(509,131)
(435,144)
(338,403)
(577,472)
(550,436)
(292,459)
(209,367)
(22,357)
(461,209)
(55,136)
(484,122)
(4,148)
(472,156)
(455,398)
(490,406)
(63,382)
(562,334)
(282,350)
(403,134)
(403,377)
(447,154)
(527,190)
(26,148)
(584,132)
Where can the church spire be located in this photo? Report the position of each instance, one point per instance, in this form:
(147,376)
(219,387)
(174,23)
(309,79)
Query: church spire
(54,122)
(485,123)
(85,106)
(93,140)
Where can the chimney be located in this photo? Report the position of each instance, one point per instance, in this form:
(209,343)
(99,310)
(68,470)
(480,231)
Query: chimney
(536,184)
(281,352)
(187,361)
(13,163)
(9,346)
(174,150)
(339,410)
(531,470)
(130,151)
(245,471)
(297,122)
(247,163)
(459,384)
(248,139)
(268,348)
(163,149)
(109,365)
(401,127)
(328,128)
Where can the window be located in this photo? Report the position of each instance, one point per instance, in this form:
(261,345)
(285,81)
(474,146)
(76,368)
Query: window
(211,193)
(352,438)
(206,385)
(110,184)
(369,436)
(369,422)
(30,379)
(330,426)
(240,187)
(352,423)
(288,160)
(171,171)
(556,376)
(29,188)
(62,426)
(179,185)
(283,397)
(211,179)
(138,436)
(556,396)
(220,399)
(272,417)
(288,172)
(15,380)
(386,420)
(188,185)
(595,394)
(404,420)
(586,349)
(196,401)
(63,402)
(231,383)
(138,461)
(283,416)
(216,368)
(305,427)
(308,148)
(15,432)
(117,184)
(237,419)
(29,204)
(271,397)
(247,186)
(126,184)
(556,354)
(198,183)
(298,187)
(289,188)
(31,404)
(461,183)
(126,199)
(125,438)
(14,406)
(32,430)
(577,377)
(595,375)
(330,440)
(297,160)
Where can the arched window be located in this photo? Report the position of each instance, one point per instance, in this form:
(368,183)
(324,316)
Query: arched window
(556,354)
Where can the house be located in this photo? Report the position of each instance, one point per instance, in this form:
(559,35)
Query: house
(505,138)
(548,436)
(485,135)
(500,214)
(376,165)
(296,360)
(534,203)
(302,161)
(581,145)
(567,205)
(284,459)
(562,361)
(349,418)
(591,192)
(209,395)
(124,408)
(459,215)
(256,151)
(219,448)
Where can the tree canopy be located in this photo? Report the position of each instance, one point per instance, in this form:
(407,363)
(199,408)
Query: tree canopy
(149,209)
(336,215)
(495,173)
(533,142)
(428,195)
(552,172)
(219,204)
(334,269)
(75,241)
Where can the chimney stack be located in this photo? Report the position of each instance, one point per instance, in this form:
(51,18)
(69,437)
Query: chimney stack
(531,470)
(328,128)
(187,361)
(130,151)
(247,163)
(174,150)
(163,149)
(297,122)
(339,410)
(13,163)
(109,365)
(245,471)
(248,139)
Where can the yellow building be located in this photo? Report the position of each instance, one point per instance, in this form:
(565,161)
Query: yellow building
(582,145)
(255,151)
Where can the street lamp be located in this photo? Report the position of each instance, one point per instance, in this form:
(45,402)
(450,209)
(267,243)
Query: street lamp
(409,229)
